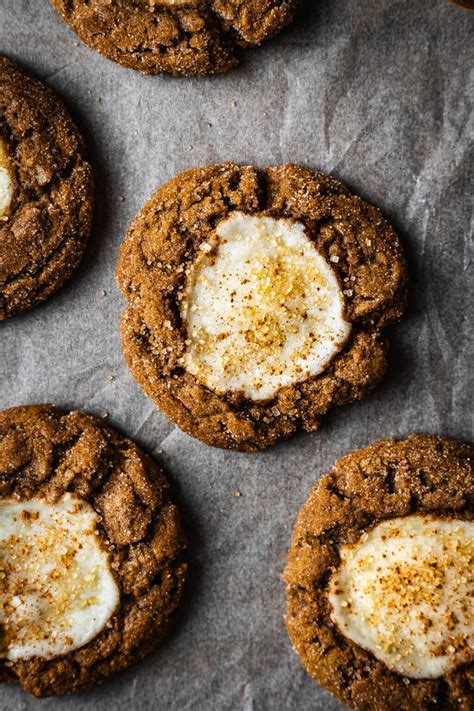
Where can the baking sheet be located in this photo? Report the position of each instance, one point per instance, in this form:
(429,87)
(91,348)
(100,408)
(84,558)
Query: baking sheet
(373,91)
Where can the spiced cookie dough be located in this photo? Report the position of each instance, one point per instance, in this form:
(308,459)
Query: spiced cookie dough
(91,551)
(45,192)
(257,300)
(380,577)
(181,37)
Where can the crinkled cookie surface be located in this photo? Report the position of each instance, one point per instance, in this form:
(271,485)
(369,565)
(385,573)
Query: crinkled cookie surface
(181,37)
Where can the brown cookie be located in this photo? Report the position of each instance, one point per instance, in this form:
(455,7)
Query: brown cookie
(181,37)
(257,300)
(469,4)
(90,543)
(45,192)
(380,578)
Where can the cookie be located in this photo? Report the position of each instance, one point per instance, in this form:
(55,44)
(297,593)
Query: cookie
(380,577)
(257,300)
(91,551)
(45,192)
(469,4)
(181,37)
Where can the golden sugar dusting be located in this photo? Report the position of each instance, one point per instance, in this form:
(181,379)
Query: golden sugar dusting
(43,578)
(258,301)
(413,590)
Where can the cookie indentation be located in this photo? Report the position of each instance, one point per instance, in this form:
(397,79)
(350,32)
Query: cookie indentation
(57,591)
(6,182)
(263,308)
(404,592)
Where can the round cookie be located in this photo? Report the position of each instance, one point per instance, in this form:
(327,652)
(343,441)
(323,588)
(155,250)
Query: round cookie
(257,300)
(91,551)
(379,578)
(45,192)
(181,37)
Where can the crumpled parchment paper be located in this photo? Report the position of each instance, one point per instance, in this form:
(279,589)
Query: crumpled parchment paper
(373,91)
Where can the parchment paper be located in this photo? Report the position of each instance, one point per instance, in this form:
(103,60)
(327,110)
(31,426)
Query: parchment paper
(373,91)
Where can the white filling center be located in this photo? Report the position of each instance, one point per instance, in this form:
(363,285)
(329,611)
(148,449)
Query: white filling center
(405,593)
(56,588)
(6,183)
(263,308)
(157,3)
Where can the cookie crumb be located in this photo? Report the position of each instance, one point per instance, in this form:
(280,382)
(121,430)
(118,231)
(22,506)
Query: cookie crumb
(237,493)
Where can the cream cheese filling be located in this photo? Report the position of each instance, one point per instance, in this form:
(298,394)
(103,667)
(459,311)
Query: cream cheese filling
(160,3)
(405,592)
(6,182)
(262,307)
(57,591)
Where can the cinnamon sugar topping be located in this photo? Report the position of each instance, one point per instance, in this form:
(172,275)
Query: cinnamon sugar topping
(406,593)
(263,308)
(56,588)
